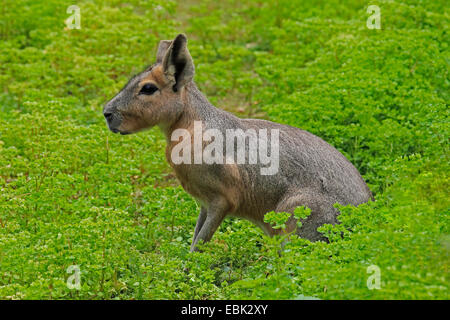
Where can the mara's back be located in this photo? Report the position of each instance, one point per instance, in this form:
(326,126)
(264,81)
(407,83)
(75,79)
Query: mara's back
(307,164)
(307,161)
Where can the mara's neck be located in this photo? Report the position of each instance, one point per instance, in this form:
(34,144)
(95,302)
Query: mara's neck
(195,107)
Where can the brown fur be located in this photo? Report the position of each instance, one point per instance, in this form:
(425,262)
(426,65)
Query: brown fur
(311,172)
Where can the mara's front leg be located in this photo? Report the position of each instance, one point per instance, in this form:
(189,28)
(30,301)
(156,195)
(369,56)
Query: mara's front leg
(200,221)
(208,221)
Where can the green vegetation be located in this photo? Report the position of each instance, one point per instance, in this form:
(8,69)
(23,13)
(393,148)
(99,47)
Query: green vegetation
(73,193)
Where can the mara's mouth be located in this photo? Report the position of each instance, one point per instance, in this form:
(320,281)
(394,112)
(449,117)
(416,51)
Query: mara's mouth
(121,132)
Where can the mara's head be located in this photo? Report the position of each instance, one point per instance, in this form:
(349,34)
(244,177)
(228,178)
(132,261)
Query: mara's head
(154,96)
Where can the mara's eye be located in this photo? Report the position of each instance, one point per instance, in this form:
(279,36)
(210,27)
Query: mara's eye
(148,88)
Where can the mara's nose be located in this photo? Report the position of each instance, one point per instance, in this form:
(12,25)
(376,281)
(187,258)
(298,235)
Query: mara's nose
(108,115)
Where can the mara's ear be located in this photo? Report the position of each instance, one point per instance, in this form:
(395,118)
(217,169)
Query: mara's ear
(162,49)
(177,63)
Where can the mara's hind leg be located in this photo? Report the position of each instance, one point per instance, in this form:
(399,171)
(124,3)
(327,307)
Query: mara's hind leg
(322,211)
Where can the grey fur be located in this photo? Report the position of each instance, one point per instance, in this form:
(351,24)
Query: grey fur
(311,172)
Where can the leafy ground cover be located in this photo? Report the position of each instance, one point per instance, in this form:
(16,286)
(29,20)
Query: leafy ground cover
(72,193)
